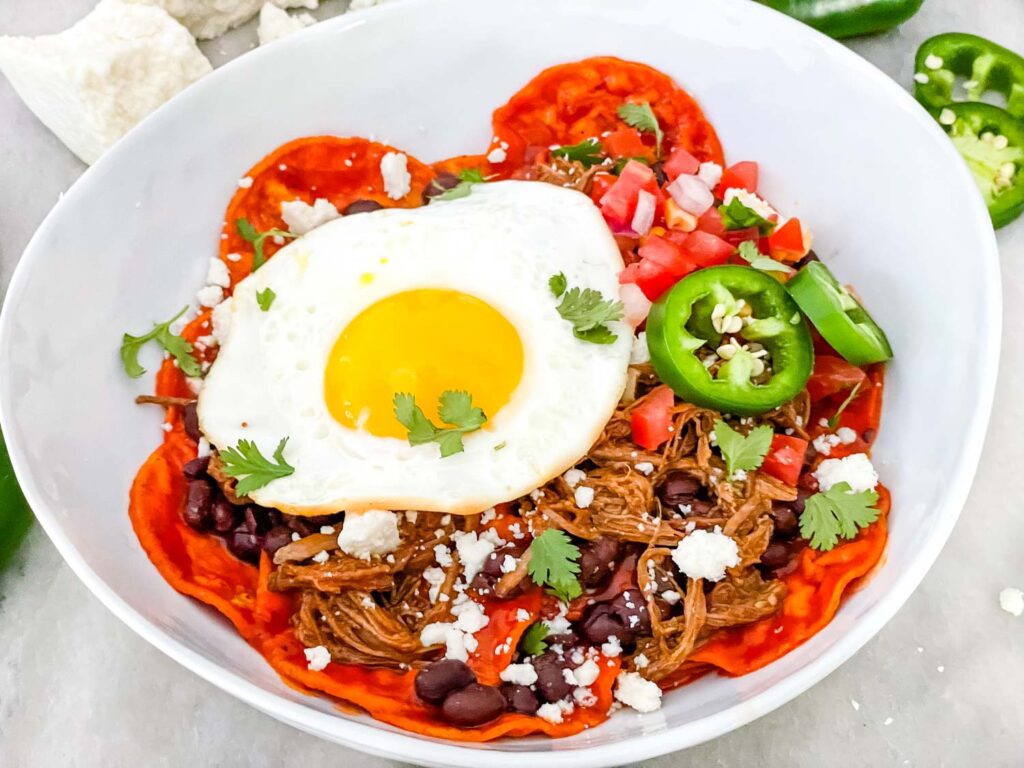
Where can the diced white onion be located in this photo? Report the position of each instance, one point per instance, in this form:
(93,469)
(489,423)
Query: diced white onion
(691,194)
(635,306)
(644,216)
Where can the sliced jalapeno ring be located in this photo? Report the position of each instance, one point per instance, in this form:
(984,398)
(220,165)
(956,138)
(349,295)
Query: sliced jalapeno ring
(732,339)
(984,65)
(838,316)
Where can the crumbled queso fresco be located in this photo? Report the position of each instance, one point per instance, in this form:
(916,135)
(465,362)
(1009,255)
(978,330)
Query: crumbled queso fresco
(706,554)
(855,469)
(374,532)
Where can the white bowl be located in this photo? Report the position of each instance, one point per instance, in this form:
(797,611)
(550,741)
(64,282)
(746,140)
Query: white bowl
(891,204)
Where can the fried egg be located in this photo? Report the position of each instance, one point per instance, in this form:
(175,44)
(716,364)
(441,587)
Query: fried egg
(451,296)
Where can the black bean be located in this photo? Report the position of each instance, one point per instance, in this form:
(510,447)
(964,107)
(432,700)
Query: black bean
(775,556)
(520,698)
(601,624)
(787,524)
(225,515)
(869,435)
(682,488)
(361,206)
(441,184)
(191,422)
(197,507)
(492,564)
(277,537)
(473,705)
(260,519)
(437,680)
(551,682)
(196,467)
(811,256)
(244,545)
(596,560)
(659,173)
(631,609)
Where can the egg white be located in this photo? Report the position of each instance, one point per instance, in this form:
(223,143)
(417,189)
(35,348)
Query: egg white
(501,244)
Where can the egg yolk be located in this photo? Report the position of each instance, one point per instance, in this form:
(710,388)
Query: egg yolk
(422,342)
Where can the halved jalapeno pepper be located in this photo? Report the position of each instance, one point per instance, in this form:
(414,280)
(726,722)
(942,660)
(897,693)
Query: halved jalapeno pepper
(838,316)
(732,339)
(986,66)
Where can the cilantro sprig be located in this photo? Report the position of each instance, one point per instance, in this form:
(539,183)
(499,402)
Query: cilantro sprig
(265,298)
(742,452)
(553,564)
(251,468)
(456,409)
(736,215)
(250,234)
(586,309)
(837,513)
(750,253)
(642,117)
(834,421)
(468,177)
(173,344)
(588,152)
(532,642)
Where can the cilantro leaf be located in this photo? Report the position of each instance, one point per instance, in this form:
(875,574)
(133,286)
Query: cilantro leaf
(588,311)
(742,451)
(455,409)
(467,178)
(553,563)
(834,421)
(251,468)
(588,152)
(250,234)
(736,215)
(750,253)
(265,298)
(642,117)
(173,344)
(532,642)
(557,284)
(837,513)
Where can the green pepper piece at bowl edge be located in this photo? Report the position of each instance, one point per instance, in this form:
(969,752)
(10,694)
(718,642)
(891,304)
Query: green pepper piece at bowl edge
(15,515)
(838,316)
(984,66)
(848,18)
(732,339)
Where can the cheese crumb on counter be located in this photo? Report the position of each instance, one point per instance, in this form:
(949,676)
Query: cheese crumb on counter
(93,82)
(275,23)
(1011,600)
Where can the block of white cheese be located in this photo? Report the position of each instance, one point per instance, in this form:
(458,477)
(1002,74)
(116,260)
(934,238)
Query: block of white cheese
(93,82)
(275,23)
(211,18)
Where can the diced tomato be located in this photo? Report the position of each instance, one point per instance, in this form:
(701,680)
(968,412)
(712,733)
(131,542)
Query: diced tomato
(832,375)
(626,142)
(680,162)
(787,242)
(739,176)
(737,236)
(651,421)
(711,222)
(707,250)
(601,184)
(785,458)
(661,266)
(618,204)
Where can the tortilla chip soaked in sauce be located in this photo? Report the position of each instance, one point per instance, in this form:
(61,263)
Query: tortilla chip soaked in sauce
(569,103)
(339,170)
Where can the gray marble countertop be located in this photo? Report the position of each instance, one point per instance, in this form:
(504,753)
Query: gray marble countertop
(941,685)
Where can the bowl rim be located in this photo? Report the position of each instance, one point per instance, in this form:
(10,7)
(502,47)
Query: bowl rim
(365,736)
